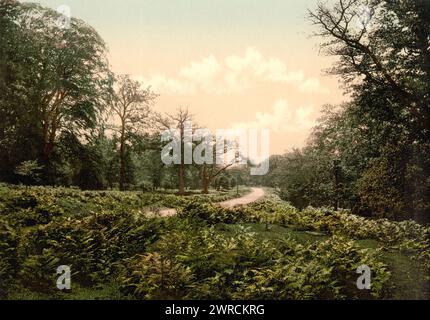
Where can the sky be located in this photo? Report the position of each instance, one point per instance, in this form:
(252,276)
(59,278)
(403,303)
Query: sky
(233,63)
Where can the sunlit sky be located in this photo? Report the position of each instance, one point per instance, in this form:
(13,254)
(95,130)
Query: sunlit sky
(234,63)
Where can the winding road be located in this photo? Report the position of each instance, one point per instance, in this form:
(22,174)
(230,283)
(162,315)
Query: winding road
(255,195)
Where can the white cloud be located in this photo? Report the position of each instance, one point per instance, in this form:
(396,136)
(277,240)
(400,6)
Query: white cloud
(162,84)
(253,66)
(311,85)
(283,118)
(233,74)
(202,71)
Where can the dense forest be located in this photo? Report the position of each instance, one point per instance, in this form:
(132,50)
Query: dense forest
(78,141)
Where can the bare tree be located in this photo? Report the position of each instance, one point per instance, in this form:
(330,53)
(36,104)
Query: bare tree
(363,50)
(208,171)
(178,121)
(131,104)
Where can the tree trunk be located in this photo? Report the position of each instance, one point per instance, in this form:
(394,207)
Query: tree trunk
(49,134)
(181,179)
(205,187)
(336,182)
(205,181)
(181,171)
(122,162)
(121,168)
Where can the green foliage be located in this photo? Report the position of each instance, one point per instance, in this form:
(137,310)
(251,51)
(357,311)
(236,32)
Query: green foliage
(55,81)
(382,135)
(8,255)
(111,244)
(37,272)
(30,169)
(93,246)
(407,236)
(377,192)
(340,222)
(205,264)
(157,277)
(324,270)
(209,213)
(371,153)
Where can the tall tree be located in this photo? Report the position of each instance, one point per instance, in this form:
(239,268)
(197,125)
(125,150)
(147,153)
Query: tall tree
(383,50)
(384,56)
(58,79)
(179,121)
(131,104)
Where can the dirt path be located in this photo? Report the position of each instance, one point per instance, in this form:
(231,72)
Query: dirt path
(255,195)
